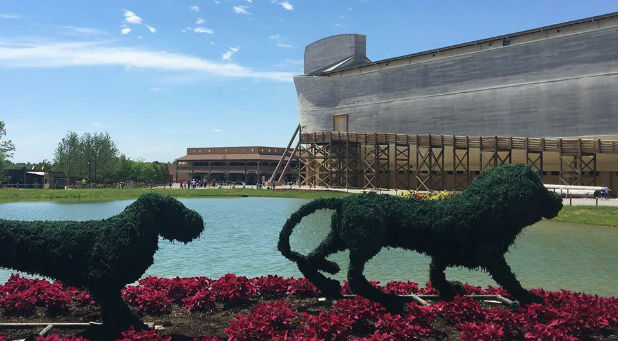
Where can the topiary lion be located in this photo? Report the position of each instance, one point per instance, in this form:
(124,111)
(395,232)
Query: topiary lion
(101,256)
(473,230)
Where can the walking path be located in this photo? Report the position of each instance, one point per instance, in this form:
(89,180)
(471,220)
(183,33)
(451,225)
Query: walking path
(566,201)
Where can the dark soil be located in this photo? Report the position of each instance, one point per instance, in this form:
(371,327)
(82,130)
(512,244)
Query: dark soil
(182,325)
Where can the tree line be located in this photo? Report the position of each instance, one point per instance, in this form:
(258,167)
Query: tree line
(6,150)
(94,156)
(91,156)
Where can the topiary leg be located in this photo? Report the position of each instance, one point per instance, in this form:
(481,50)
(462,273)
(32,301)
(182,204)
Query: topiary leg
(115,313)
(447,289)
(329,287)
(360,285)
(329,245)
(502,274)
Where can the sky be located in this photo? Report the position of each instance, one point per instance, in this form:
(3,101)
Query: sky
(163,75)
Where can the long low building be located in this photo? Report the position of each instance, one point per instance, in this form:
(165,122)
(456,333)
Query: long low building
(249,164)
(546,97)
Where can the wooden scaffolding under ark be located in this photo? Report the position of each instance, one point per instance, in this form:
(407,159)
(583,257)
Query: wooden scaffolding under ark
(434,162)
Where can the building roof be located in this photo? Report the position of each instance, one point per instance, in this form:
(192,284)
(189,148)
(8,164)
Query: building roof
(244,153)
(508,36)
(229,157)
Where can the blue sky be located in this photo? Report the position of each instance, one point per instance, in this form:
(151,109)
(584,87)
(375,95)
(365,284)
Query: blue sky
(163,75)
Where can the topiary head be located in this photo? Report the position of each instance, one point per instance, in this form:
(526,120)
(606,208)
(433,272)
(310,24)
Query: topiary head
(541,202)
(519,189)
(170,218)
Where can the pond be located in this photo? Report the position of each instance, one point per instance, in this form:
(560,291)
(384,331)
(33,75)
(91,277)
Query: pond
(241,236)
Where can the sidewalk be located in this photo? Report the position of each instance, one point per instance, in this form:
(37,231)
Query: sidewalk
(565,201)
(589,202)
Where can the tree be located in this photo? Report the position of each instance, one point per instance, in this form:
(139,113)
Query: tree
(92,155)
(124,169)
(6,150)
(67,154)
(106,157)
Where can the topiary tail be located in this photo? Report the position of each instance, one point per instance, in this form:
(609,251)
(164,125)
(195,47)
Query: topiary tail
(295,218)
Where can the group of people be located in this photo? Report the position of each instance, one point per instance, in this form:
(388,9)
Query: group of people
(196,183)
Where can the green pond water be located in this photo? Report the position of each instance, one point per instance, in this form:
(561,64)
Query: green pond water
(241,236)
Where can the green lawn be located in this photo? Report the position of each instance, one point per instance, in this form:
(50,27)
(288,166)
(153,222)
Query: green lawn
(7,195)
(601,215)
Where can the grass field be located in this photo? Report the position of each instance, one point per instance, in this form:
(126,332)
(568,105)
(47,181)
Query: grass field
(602,215)
(606,216)
(7,195)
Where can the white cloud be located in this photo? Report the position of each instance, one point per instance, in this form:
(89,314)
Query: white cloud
(286,5)
(159,90)
(151,29)
(96,124)
(294,61)
(217,2)
(202,29)
(216,130)
(25,54)
(73,30)
(227,55)
(125,30)
(241,10)
(9,16)
(132,18)
(200,21)
(279,41)
(195,8)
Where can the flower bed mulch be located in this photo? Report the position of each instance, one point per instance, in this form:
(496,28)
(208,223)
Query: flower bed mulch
(236,308)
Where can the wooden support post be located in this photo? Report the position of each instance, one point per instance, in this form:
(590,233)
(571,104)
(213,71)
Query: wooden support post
(402,165)
(461,163)
(283,155)
(370,160)
(287,165)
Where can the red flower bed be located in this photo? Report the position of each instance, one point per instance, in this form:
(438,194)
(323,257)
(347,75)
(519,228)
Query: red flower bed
(267,321)
(21,296)
(565,316)
(147,335)
(55,337)
(462,309)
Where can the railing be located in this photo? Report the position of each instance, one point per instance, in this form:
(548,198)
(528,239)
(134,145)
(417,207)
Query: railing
(565,145)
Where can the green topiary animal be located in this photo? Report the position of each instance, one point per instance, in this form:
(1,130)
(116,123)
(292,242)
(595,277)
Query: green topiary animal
(473,230)
(101,256)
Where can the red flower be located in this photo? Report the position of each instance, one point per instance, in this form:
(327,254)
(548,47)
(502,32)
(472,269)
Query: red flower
(480,331)
(55,337)
(146,335)
(267,321)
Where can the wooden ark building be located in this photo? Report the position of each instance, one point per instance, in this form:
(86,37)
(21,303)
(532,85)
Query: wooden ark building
(546,97)
(249,164)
